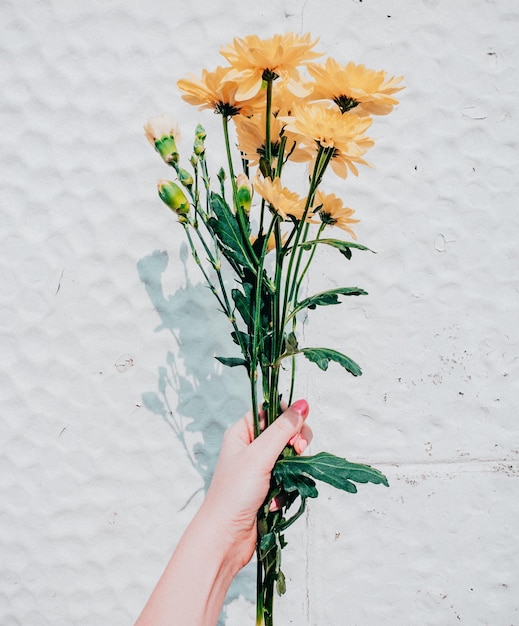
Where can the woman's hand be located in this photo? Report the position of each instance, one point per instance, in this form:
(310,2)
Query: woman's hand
(242,476)
(221,538)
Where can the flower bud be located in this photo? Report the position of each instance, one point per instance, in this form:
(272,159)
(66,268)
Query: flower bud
(200,135)
(200,132)
(243,192)
(185,177)
(161,132)
(174,197)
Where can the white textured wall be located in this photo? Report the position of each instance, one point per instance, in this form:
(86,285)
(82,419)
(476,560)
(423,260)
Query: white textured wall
(97,479)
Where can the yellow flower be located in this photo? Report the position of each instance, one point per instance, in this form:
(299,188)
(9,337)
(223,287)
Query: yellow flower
(315,125)
(251,136)
(333,213)
(354,86)
(251,130)
(281,199)
(162,132)
(215,90)
(255,60)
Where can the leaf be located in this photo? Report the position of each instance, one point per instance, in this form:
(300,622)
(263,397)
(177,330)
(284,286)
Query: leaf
(322,357)
(244,341)
(267,543)
(344,247)
(300,483)
(232,361)
(226,227)
(243,304)
(281,585)
(331,469)
(325,298)
(291,344)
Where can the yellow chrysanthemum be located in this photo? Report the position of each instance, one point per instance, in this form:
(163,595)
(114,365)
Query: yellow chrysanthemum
(283,99)
(255,60)
(333,213)
(315,125)
(251,130)
(215,90)
(355,87)
(251,136)
(281,199)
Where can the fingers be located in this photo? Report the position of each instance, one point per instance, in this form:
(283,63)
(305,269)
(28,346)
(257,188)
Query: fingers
(301,441)
(288,426)
(244,428)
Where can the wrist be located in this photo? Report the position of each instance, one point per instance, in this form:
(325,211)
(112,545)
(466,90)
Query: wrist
(233,540)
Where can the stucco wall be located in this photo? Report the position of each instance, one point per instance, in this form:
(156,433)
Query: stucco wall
(112,407)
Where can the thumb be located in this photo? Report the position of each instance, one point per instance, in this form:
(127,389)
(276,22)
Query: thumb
(269,445)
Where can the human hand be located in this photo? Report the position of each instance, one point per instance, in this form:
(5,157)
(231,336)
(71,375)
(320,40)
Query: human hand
(242,476)
(221,537)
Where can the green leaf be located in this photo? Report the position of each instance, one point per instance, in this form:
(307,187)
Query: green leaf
(322,357)
(240,338)
(281,585)
(331,469)
(267,543)
(344,247)
(325,298)
(300,483)
(226,227)
(291,343)
(232,361)
(243,304)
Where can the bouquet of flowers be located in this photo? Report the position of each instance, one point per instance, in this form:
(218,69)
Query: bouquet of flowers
(249,226)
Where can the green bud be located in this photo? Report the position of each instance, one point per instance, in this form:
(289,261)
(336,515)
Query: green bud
(161,131)
(243,192)
(199,147)
(173,197)
(185,177)
(200,135)
(200,132)
(167,148)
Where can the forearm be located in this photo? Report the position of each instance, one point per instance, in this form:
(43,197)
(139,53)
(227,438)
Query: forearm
(192,589)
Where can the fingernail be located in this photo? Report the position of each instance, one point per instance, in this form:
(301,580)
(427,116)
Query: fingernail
(301,407)
(302,445)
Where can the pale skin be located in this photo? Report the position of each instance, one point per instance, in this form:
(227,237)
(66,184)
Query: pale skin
(221,538)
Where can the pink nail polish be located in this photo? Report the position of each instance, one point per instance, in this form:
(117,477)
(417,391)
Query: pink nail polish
(301,407)
(302,445)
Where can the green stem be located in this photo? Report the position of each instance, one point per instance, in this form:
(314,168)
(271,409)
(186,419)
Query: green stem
(268,113)
(259,588)
(307,266)
(256,331)
(278,325)
(240,214)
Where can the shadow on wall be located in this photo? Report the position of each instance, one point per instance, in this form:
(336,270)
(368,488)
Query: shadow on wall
(196,396)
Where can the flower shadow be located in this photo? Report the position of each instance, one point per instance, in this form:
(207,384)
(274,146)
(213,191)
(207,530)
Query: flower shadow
(195,395)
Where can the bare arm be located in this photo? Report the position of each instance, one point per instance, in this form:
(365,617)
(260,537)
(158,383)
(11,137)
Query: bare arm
(221,538)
